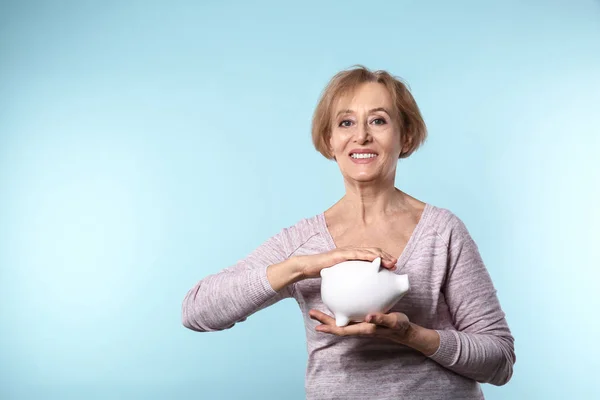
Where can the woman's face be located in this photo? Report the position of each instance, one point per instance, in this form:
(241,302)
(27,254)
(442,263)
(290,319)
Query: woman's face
(365,139)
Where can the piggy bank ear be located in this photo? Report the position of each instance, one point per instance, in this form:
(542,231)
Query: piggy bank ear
(376,263)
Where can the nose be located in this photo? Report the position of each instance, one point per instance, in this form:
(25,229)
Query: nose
(362,133)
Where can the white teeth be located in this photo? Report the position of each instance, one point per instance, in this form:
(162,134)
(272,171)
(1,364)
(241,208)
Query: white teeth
(363,155)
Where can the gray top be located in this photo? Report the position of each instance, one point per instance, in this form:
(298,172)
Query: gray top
(450,291)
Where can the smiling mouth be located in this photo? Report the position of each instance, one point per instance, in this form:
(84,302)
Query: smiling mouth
(363,156)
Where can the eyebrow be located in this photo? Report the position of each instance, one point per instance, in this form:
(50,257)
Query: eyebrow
(348,111)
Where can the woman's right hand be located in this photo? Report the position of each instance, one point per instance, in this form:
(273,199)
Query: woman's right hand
(311,265)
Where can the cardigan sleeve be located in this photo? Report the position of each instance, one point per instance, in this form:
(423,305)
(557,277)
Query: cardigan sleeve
(482,346)
(221,300)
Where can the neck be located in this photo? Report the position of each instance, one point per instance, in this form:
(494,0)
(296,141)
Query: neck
(368,203)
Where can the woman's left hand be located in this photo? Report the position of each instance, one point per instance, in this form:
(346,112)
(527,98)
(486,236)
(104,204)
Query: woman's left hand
(395,326)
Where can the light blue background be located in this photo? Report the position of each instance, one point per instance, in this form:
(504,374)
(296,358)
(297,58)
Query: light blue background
(144,145)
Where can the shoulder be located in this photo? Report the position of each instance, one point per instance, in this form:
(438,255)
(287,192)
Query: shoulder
(448,225)
(293,236)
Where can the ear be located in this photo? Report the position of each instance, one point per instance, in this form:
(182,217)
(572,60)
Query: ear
(406,145)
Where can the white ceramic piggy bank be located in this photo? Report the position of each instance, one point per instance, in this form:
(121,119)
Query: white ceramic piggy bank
(353,289)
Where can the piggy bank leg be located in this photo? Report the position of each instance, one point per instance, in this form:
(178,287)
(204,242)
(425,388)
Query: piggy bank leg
(341,320)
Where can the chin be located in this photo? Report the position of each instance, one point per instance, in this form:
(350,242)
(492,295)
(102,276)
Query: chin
(356,173)
(364,177)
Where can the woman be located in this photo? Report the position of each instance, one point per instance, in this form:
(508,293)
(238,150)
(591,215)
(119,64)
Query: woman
(447,334)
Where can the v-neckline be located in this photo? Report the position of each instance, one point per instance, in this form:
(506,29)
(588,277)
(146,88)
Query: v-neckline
(410,245)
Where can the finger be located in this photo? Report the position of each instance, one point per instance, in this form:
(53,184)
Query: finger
(394,320)
(375,252)
(387,260)
(321,317)
(391,265)
(360,329)
(370,254)
(332,329)
(362,253)
(387,320)
(386,257)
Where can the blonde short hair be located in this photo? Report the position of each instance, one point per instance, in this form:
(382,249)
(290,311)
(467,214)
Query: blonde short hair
(413,131)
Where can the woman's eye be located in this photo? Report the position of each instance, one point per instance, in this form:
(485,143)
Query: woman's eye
(345,123)
(378,121)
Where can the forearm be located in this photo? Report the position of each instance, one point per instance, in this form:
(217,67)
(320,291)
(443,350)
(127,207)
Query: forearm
(284,273)
(485,358)
(220,300)
(424,340)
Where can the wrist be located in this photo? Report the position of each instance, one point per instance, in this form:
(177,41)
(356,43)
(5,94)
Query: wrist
(424,340)
(296,268)
(283,274)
